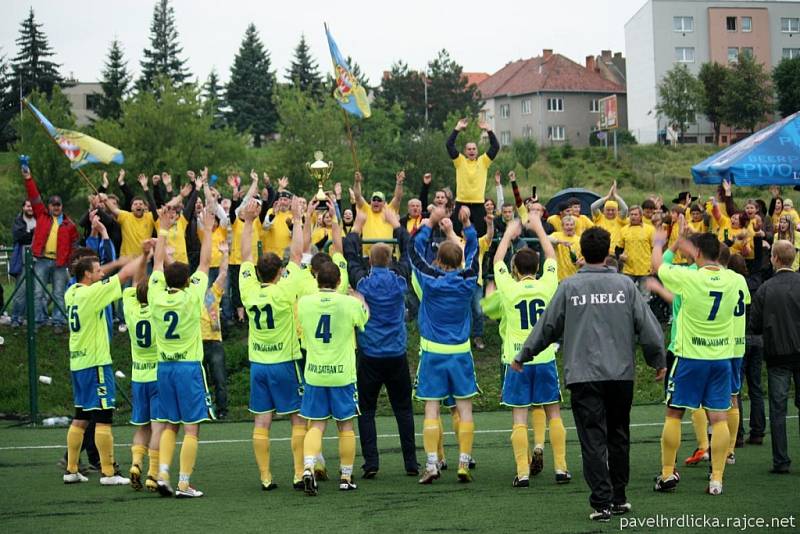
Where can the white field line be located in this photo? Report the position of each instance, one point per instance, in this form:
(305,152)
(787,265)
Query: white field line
(219,441)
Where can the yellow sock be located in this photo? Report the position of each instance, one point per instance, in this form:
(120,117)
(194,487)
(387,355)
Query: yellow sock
(137,455)
(670,441)
(74,442)
(298,437)
(152,469)
(261,450)
(558,440)
(519,444)
(456,417)
(430,439)
(466,433)
(539,420)
(312,446)
(104,441)
(347,453)
(700,424)
(720,437)
(188,458)
(166,446)
(440,447)
(733,426)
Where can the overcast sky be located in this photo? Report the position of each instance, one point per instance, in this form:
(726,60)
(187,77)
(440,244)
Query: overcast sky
(481,35)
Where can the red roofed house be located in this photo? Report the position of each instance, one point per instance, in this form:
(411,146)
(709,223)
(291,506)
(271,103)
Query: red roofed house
(551,98)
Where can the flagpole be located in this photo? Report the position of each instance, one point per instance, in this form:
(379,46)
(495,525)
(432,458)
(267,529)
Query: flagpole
(350,139)
(80,172)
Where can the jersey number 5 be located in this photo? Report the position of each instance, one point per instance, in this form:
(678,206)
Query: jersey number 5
(74,319)
(324,329)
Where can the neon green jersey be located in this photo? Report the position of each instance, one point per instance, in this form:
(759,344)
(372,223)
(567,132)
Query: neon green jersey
(176,317)
(272,334)
(309,285)
(88,330)
(144,351)
(524,302)
(328,320)
(740,317)
(709,298)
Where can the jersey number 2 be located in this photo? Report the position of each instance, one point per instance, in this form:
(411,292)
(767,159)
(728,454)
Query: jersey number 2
(172,318)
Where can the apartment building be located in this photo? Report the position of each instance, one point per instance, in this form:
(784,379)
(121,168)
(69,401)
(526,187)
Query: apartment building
(664,33)
(84,98)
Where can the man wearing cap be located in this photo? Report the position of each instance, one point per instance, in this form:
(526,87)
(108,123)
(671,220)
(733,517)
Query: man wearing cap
(54,239)
(613,216)
(376,227)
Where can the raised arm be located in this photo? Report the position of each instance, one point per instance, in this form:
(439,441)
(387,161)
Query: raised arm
(512,176)
(336,230)
(296,248)
(451,140)
(498,186)
(357,189)
(355,263)
(248,212)
(205,248)
(424,190)
(397,198)
(535,224)
(513,230)
(223,266)
(494,145)
(165,219)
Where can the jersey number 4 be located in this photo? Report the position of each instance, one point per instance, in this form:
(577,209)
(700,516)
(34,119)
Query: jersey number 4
(324,329)
(529,312)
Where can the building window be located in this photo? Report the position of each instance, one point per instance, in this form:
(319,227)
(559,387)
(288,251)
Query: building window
(790,24)
(594,105)
(526,107)
(747,52)
(730,24)
(555,133)
(747,24)
(790,53)
(93,101)
(683,24)
(527,131)
(555,104)
(733,55)
(505,111)
(684,54)
(505,138)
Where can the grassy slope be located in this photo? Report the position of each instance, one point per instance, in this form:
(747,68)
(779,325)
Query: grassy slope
(393,502)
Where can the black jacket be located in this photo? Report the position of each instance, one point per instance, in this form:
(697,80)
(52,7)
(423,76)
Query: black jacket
(774,313)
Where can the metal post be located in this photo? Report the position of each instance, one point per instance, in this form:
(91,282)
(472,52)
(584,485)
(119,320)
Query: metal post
(425,79)
(30,311)
(615,143)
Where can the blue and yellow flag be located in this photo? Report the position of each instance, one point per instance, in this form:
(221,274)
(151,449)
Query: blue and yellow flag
(79,148)
(348,92)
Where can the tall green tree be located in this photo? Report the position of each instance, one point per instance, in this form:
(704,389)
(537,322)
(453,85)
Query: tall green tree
(406,88)
(449,90)
(747,100)
(525,153)
(48,164)
(162,58)
(170,132)
(8,104)
(714,79)
(679,97)
(786,78)
(115,83)
(214,99)
(31,67)
(251,87)
(304,71)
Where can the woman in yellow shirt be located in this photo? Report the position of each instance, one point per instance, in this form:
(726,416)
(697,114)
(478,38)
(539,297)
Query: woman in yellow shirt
(323,230)
(785,230)
(568,247)
(742,235)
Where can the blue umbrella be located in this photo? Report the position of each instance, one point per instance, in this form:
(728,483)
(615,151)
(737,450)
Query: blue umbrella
(768,157)
(584,195)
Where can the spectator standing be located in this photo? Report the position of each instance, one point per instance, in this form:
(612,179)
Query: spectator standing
(22,234)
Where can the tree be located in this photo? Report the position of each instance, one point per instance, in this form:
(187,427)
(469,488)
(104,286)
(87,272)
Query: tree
(48,163)
(405,88)
(714,78)
(8,105)
(525,153)
(304,71)
(748,96)
(162,56)
(116,82)
(251,88)
(679,97)
(214,100)
(170,132)
(31,67)
(448,90)
(786,78)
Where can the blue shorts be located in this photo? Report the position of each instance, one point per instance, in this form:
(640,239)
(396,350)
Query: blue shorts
(699,384)
(275,387)
(534,386)
(449,402)
(736,375)
(94,388)
(443,375)
(323,402)
(145,402)
(183,396)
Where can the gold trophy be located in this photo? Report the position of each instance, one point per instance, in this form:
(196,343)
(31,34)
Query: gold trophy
(321,172)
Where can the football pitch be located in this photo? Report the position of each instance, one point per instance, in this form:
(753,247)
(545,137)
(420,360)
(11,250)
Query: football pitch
(35,499)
